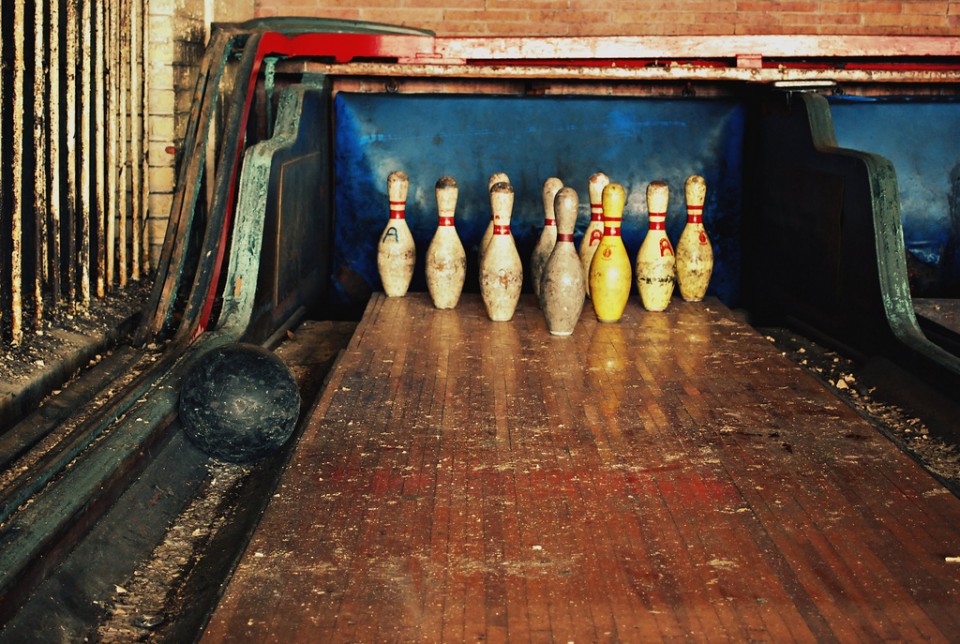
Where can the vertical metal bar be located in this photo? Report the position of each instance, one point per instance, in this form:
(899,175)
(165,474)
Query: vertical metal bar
(39,162)
(54,133)
(73,62)
(122,140)
(3,117)
(113,162)
(100,86)
(136,105)
(16,268)
(145,186)
(86,153)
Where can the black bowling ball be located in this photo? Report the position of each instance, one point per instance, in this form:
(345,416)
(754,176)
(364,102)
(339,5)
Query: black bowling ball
(239,402)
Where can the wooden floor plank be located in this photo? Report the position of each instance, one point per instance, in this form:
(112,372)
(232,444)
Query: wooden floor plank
(671,476)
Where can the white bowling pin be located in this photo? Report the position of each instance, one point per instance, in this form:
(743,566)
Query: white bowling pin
(501,272)
(548,236)
(694,252)
(494,179)
(655,261)
(396,252)
(446,261)
(562,291)
(594,231)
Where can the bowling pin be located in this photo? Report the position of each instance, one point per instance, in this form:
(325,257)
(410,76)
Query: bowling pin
(494,179)
(610,274)
(594,231)
(446,265)
(396,253)
(501,273)
(694,253)
(561,290)
(548,236)
(655,261)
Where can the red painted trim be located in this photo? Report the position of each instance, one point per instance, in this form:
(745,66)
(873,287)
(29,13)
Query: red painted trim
(342,48)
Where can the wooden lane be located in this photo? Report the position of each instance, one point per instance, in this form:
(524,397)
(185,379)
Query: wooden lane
(669,476)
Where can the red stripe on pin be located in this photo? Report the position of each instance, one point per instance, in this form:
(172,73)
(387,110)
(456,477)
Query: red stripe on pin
(564,237)
(596,212)
(611,231)
(501,230)
(694,219)
(396,213)
(658,225)
(694,209)
(549,222)
(446,221)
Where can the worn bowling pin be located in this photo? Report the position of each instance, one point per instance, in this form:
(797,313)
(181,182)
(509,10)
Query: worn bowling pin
(548,237)
(396,253)
(561,289)
(501,273)
(594,231)
(655,261)
(446,260)
(494,179)
(694,253)
(610,274)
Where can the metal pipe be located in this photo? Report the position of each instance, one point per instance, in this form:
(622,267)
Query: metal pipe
(54,135)
(39,163)
(3,117)
(145,185)
(136,105)
(121,194)
(16,260)
(71,136)
(113,162)
(100,86)
(86,154)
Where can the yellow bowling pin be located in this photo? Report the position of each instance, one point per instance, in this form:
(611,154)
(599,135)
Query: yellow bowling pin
(694,252)
(594,231)
(494,179)
(396,252)
(446,261)
(548,236)
(501,272)
(655,261)
(610,269)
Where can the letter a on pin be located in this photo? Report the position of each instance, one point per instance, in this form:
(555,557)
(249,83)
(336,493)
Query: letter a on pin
(396,252)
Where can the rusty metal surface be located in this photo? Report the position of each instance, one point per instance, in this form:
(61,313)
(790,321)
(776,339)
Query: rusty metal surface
(86,148)
(124,31)
(100,154)
(652,73)
(145,133)
(112,161)
(53,135)
(16,268)
(40,165)
(63,170)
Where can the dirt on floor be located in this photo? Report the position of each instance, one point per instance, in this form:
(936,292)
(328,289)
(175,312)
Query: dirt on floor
(905,427)
(64,330)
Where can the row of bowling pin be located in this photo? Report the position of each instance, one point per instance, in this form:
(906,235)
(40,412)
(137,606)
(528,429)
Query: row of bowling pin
(658,267)
(396,251)
(501,274)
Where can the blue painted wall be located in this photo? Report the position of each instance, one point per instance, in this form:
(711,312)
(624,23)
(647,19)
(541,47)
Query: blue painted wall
(922,138)
(634,141)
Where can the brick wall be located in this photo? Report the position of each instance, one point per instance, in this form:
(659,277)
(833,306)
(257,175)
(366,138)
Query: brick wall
(650,17)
